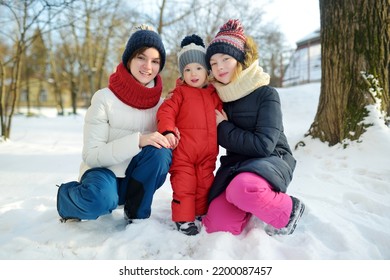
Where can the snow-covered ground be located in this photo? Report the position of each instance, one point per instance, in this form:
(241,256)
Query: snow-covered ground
(346,191)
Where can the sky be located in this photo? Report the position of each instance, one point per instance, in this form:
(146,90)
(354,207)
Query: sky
(296,18)
(344,232)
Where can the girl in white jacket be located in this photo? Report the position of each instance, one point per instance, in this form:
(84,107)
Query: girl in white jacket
(125,160)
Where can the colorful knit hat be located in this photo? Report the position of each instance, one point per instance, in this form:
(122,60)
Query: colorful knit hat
(192,50)
(144,36)
(229,40)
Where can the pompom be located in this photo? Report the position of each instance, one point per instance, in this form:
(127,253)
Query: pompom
(232,25)
(192,39)
(229,40)
(141,27)
(143,36)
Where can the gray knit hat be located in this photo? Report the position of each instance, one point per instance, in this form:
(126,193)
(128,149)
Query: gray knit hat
(144,36)
(192,50)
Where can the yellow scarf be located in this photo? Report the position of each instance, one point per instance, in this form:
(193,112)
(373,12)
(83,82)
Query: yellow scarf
(247,81)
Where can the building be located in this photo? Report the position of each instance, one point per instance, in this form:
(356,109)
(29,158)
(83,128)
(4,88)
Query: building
(305,63)
(38,93)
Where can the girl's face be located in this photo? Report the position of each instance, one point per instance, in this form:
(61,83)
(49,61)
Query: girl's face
(195,75)
(223,67)
(145,66)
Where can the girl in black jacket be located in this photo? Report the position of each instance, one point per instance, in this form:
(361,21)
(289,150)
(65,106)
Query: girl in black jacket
(258,165)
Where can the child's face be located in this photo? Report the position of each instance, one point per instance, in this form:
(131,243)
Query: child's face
(223,67)
(195,75)
(145,66)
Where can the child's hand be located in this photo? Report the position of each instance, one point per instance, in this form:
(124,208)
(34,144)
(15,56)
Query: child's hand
(177,133)
(170,93)
(221,116)
(173,140)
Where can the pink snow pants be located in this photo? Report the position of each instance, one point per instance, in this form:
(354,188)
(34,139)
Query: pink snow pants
(247,194)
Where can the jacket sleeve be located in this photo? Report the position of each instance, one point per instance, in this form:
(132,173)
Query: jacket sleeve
(167,112)
(217,102)
(98,151)
(261,140)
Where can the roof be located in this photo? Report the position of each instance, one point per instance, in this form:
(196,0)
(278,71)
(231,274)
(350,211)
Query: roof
(311,38)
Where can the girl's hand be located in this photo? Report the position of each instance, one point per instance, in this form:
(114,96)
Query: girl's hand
(155,139)
(221,116)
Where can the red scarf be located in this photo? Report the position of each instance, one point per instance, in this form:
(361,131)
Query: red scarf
(131,92)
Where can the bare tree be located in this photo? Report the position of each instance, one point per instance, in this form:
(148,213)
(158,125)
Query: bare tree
(24,17)
(86,45)
(55,76)
(34,69)
(2,95)
(8,98)
(273,53)
(355,38)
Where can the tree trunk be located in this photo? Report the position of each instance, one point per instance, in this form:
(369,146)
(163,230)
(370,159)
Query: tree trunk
(14,91)
(2,96)
(73,92)
(354,39)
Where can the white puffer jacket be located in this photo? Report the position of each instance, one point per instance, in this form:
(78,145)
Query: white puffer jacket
(111,132)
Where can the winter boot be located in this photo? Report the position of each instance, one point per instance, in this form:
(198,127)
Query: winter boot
(188,228)
(134,196)
(127,219)
(69,220)
(199,218)
(296,213)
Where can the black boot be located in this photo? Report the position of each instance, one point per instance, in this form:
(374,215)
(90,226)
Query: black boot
(188,228)
(134,196)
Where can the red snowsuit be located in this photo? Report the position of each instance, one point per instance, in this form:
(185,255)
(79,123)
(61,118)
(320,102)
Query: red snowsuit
(192,111)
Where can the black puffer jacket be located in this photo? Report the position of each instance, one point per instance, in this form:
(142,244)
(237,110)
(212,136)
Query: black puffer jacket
(254,141)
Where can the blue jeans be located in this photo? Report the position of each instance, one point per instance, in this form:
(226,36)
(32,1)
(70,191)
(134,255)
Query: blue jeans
(99,192)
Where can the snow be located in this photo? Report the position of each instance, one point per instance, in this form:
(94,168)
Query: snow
(346,191)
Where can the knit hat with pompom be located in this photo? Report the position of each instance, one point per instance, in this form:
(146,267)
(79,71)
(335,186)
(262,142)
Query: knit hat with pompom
(229,40)
(143,36)
(192,50)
